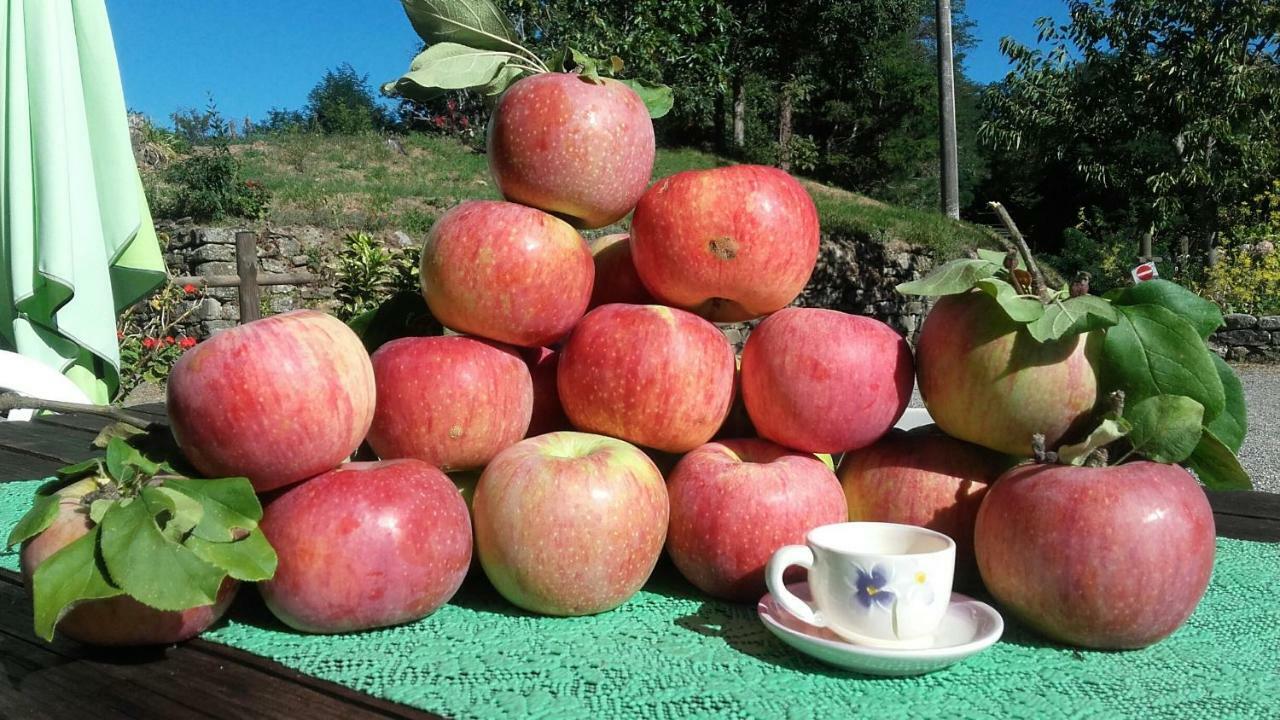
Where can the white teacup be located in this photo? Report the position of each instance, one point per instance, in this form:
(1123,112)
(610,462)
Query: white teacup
(872,583)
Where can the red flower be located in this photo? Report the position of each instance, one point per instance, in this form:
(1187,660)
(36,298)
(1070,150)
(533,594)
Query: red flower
(187,343)
(464,122)
(119,335)
(169,340)
(149,343)
(189,289)
(439,121)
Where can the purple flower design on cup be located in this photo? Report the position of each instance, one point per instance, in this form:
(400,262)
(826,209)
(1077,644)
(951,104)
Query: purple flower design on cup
(871,587)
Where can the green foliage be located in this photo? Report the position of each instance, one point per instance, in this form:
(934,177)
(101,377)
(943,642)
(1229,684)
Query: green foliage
(207,186)
(366,273)
(149,342)
(1246,277)
(343,103)
(199,127)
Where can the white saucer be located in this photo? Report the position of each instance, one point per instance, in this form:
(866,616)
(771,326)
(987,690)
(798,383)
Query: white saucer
(969,627)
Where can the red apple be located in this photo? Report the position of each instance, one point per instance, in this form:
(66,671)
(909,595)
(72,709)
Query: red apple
(548,413)
(276,400)
(648,374)
(925,478)
(366,545)
(506,272)
(571,146)
(569,523)
(735,502)
(1110,557)
(729,244)
(823,381)
(120,620)
(616,278)
(452,401)
(985,380)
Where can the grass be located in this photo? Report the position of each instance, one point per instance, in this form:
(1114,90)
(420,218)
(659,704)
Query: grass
(360,182)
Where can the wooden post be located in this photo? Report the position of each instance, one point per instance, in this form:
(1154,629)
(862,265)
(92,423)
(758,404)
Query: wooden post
(247,269)
(947,113)
(784,127)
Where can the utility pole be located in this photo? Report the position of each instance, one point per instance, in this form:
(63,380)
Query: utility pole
(947,114)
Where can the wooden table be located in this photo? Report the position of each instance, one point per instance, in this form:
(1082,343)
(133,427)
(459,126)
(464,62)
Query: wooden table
(203,679)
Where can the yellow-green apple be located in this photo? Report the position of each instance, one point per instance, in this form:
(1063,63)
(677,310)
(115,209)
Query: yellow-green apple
(119,620)
(579,148)
(648,374)
(276,400)
(729,244)
(569,523)
(1106,557)
(548,414)
(923,477)
(366,545)
(506,272)
(735,502)
(823,381)
(987,381)
(453,401)
(616,278)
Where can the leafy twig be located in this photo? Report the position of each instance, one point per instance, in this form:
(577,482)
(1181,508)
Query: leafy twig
(15,401)
(1037,279)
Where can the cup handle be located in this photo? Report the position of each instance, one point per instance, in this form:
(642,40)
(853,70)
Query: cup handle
(785,557)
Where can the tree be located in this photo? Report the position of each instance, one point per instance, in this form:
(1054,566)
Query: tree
(343,103)
(1158,113)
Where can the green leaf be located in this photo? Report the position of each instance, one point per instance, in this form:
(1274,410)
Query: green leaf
(477,23)
(404,314)
(1071,317)
(449,66)
(503,80)
(568,59)
(92,466)
(72,574)
(1152,351)
(40,516)
(1166,428)
(1204,316)
(1019,309)
(152,568)
(121,430)
(997,257)
(1216,466)
(250,558)
(1230,425)
(1107,432)
(229,505)
(953,278)
(184,512)
(98,508)
(656,96)
(118,455)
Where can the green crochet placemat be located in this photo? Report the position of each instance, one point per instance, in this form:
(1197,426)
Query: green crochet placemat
(669,653)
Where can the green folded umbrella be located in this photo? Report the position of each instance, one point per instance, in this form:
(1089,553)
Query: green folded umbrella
(76,241)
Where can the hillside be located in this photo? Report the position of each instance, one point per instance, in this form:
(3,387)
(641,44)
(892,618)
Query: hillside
(363,182)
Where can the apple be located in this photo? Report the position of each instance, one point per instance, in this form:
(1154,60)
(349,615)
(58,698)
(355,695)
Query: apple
(276,400)
(729,244)
(926,478)
(735,502)
(366,545)
(579,148)
(737,424)
(985,380)
(648,374)
(119,620)
(506,272)
(823,381)
(1109,557)
(570,523)
(616,278)
(548,413)
(452,401)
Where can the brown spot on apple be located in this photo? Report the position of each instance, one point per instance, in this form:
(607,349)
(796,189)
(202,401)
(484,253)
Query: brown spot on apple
(455,432)
(725,248)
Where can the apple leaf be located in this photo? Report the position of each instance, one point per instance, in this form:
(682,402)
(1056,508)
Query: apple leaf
(72,574)
(656,97)
(476,23)
(99,508)
(568,59)
(1018,308)
(184,513)
(150,566)
(1110,430)
(1071,317)
(1152,351)
(1204,316)
(1232,423)
(229,505)
(92,466)
(250,558)
(997,257)
(1216,466)
(1166,428)
(953,278)
(40,516)
(449,66)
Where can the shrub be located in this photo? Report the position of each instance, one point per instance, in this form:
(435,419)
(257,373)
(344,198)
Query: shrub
(148,345)
(207,186)
(365,273)
(342,103)
(1246,277)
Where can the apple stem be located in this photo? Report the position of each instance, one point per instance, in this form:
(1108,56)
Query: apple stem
(14,401)
(1097,458)
(1037,278)
(1038,450)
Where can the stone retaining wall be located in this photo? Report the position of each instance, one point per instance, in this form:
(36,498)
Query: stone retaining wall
(1248,338)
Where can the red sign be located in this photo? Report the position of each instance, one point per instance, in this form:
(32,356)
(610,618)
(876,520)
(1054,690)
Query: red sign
(1144,272)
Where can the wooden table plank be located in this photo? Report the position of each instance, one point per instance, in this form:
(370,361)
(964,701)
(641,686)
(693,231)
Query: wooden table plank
(21,466)
(48,442)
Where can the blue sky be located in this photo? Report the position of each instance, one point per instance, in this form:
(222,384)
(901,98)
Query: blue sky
(252,56)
